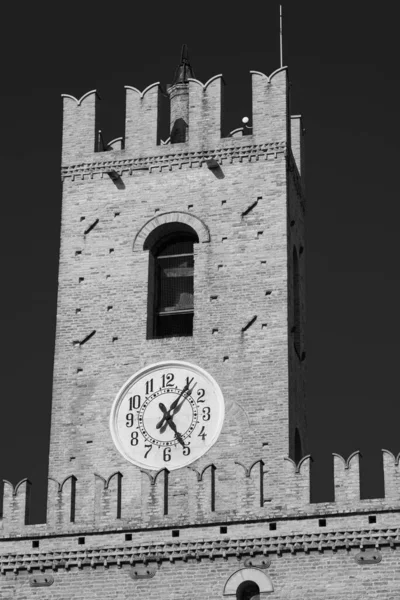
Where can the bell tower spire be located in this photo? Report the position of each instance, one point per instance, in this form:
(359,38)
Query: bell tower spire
(184,70)
(179,97)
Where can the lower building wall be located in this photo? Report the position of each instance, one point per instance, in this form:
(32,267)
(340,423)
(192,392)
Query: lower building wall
(324,575)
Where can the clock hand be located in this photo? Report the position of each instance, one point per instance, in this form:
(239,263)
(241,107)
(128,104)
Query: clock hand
(175,402)
(167,414)
(177,408)
(174,409)
(177,434)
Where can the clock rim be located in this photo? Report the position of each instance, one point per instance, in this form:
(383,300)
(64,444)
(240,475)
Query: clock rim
(138,375)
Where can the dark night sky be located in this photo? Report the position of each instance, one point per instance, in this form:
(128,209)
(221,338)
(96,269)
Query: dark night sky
(342,59)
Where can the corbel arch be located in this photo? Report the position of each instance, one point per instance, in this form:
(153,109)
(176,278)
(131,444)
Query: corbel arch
(146,235)
(251,575)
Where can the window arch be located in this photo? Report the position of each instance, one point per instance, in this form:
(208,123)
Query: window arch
(171,281)
(249,581)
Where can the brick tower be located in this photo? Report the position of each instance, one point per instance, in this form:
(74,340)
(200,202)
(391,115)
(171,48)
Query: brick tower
(178,455)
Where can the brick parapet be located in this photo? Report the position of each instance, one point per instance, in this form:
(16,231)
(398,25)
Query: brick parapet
(205,119)
(148,500)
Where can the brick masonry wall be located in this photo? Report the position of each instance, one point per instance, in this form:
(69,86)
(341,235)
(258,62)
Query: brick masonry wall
(243,212)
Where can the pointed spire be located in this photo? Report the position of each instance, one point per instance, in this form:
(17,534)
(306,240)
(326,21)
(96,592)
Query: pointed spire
(184,69)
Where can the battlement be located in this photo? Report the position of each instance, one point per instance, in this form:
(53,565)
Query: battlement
(145,499)
(196,116)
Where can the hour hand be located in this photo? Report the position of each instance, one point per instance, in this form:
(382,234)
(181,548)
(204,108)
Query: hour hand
(177,434)
(164,417)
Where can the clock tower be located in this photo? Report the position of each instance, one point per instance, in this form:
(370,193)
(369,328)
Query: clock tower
(179,363)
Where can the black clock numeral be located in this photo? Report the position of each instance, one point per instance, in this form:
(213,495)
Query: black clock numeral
(149,446)
(202,433)
(149,386)
(167,380)
(134,438)
(167,454)
(186,450)
(129,420)
(200,395)
(206,413)
(134,402)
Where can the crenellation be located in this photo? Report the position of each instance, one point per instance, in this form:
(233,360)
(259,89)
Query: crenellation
(80,127)
(270,106)
(142,119)
(347,478)
(391,473)
(206,112)
(16,505)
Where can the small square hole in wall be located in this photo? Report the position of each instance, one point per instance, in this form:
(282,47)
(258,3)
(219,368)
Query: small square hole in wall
(81,540)
(156,210)
(175,533)
(223,529)
(109,308)
(116,214)
(81,279)
(322,522)
(128,537)
(83,218)
(272,526)
(223,202)
(190,206)
(372,519)
(35,543)
(79,370)
(78,252)
(111,250)
(226,358)
(77,310)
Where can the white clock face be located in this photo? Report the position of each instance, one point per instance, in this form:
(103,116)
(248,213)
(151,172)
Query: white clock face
(167,415)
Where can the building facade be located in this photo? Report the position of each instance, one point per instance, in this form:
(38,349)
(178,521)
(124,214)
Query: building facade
(178,463)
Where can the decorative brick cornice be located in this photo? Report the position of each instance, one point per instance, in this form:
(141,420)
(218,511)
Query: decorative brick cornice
(200,550)
(173,161)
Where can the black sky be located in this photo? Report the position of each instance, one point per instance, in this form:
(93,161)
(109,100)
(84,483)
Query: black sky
(342,59)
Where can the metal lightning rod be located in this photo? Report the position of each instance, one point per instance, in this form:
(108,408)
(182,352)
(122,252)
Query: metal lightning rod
(281,33)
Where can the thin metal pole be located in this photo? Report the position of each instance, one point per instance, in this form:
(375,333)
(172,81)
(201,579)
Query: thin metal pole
(281,33)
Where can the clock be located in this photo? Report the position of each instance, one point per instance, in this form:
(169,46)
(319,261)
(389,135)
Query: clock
(167,415)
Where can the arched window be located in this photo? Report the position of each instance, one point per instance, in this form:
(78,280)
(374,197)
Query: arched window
(171,283)
(296,303)
(248,590)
